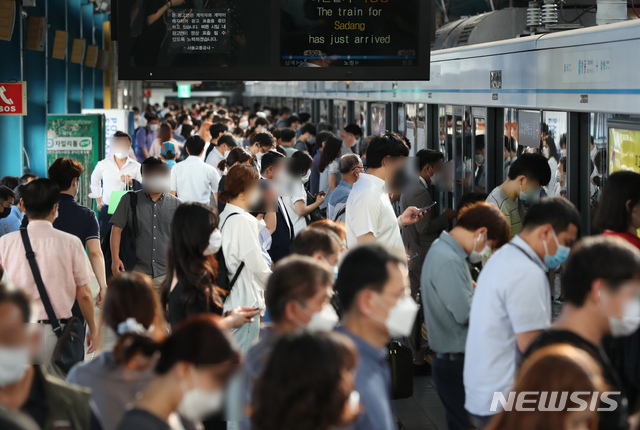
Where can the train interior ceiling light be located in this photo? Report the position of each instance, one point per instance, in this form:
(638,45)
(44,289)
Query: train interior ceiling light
(274,40)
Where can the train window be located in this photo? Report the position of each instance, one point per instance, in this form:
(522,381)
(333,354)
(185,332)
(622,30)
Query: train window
(324,110)
(554,148)
(478,122)
(360,114)
(339,114)
(409,119)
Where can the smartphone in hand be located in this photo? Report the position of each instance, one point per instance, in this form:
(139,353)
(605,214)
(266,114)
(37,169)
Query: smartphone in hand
(424,209)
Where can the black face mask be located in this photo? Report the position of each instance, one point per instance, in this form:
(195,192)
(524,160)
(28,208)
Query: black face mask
(5,213)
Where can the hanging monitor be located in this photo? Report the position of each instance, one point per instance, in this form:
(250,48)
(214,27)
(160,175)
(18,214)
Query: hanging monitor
(274,39)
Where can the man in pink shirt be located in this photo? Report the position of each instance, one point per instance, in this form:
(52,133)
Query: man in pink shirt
(63,263)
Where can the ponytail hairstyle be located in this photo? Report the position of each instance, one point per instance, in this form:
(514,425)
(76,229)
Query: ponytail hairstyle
(239,179)
(236,155)
(132,311)
(191,226)
(200,341)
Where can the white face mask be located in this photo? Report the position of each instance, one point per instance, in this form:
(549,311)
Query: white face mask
(226,154)
(629,322)
(259,155)
(479,158)
(120,153)
(13,364)
(197,404)
(401,317)
(354,402)
(323,321)
(244,125)
(545,152)
(476,257)
(306,177)
(558,176)
(215,242)
(153,127)
(157,184)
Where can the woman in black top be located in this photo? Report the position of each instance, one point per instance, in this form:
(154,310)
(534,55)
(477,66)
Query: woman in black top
(195,241)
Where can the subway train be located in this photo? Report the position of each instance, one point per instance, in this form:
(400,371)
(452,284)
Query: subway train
(571,85)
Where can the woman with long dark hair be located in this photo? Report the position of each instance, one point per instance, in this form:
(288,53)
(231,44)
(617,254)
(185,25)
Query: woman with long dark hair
(329,167)
(132,314)
(190,286)
(164,135)
(308,383)
(194,366)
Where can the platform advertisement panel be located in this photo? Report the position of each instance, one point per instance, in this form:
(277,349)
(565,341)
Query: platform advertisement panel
(78,137)
(624,147)
(114,120)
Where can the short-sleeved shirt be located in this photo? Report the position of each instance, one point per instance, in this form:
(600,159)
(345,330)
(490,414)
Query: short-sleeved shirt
(12,222)
(607,420)
(75,219)
(193,180)
(447,289)
(62,261)
(369,210)
(338,201)
(332,169)
(373,382)
(512,296)
(508,207)
(113,387)
(154,229)
(299,193)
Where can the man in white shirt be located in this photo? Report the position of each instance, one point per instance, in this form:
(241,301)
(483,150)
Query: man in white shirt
(512,304)
(217,130)
(115,173)
(221,150)
(193,180)
(370,216)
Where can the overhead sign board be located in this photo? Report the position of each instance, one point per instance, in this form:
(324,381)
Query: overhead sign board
(276,40)
(184,91)
(13,98)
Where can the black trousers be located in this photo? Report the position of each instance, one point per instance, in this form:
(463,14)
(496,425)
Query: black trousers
(103,220)
(447,375)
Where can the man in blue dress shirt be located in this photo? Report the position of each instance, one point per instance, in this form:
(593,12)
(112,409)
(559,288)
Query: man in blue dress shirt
(374,291)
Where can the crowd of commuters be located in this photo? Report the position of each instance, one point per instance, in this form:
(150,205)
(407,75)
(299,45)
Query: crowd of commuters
(251,273)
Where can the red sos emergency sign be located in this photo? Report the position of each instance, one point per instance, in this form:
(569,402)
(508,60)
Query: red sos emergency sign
(13,98)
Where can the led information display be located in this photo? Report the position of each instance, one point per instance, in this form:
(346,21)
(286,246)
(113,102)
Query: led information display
(349,33)
(273,39)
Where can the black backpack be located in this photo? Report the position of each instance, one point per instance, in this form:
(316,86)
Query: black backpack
(127,240)
(223,273)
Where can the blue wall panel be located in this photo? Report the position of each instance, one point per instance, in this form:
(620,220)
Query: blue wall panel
(58,82)
(11,126)
(74,71)
(35,124)
(88,87)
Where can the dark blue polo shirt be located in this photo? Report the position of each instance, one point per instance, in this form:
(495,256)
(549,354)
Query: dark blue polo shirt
(75,219)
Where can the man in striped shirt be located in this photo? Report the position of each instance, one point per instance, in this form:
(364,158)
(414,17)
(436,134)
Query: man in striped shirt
(527,174)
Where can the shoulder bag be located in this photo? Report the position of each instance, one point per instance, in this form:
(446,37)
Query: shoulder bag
(70,347)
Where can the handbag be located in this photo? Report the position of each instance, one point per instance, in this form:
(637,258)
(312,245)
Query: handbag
(127,239)
(316,215)
(70,347)
(401,363)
